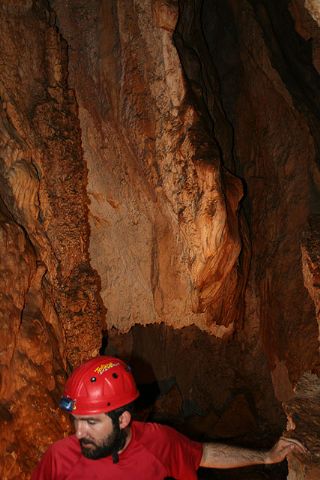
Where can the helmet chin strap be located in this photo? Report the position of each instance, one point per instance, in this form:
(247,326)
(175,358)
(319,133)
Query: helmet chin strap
(120,444)
(115,457)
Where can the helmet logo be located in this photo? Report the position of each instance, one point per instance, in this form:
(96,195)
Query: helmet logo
(105,366)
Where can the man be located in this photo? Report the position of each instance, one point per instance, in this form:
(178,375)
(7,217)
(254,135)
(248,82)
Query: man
(108,445)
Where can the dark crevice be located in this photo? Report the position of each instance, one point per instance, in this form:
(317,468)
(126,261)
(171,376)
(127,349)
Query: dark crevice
(291,56)
(201,75)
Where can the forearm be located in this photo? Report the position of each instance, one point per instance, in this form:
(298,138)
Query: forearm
(216,455)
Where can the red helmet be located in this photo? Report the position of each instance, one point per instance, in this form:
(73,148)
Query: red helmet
(99,386)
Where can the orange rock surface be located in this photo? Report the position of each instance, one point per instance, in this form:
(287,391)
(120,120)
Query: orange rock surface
(159,184)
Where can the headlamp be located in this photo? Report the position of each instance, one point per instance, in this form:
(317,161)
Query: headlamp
(67,404)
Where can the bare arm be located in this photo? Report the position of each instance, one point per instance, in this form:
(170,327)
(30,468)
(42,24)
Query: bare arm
(216,455)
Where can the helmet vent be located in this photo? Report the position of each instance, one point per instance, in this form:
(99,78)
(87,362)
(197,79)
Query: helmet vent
(108,404)
(115,375)
(93,379)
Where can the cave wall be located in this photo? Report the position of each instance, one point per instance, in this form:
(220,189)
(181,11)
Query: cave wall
(284,167)
(163,211)
(266,58)
(159,181)
(50,303)
(248,51)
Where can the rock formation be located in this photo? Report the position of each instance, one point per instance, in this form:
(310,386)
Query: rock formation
(159,190)
(51,309)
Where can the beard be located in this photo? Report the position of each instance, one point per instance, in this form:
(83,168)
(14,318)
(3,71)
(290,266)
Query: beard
(110,445)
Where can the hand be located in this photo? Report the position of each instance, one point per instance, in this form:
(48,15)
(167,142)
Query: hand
(282,448)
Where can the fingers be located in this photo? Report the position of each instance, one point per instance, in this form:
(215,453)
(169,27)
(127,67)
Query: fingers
(292,445)
(283,448)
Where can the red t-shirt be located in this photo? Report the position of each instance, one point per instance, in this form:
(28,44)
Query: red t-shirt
(154,452)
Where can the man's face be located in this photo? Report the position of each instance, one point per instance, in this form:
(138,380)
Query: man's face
(97,435)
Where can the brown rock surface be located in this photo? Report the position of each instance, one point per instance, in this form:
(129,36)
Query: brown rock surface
(50,305)
(125,127)
(163,211)
(303,424)
(268,83)
(278,166)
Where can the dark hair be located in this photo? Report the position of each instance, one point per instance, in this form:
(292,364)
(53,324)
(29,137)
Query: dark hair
(115,415)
